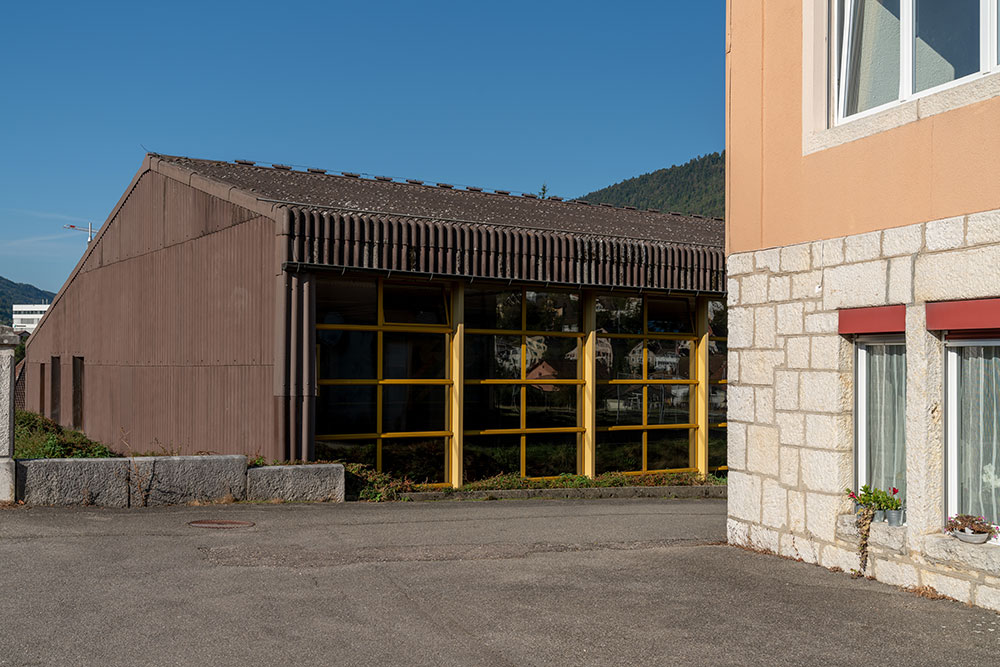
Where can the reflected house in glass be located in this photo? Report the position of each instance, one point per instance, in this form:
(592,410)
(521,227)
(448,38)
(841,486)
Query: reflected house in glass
(442,333)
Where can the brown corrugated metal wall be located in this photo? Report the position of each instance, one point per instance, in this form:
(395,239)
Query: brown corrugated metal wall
(173,313)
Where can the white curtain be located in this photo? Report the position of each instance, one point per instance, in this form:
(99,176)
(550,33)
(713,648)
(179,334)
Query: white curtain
(886,423)
(978,432)
(873,55)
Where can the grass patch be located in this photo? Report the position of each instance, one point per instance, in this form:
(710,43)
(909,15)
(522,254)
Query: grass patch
(36,437)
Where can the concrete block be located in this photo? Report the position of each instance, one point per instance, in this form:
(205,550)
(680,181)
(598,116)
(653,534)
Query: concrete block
(945,234)
(175,480)
(795,258)
(101,482)
(902,240)
(862,247)
(7,479)
(983,228)
(300,483)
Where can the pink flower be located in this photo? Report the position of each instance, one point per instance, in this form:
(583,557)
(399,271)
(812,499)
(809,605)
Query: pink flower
(895,490)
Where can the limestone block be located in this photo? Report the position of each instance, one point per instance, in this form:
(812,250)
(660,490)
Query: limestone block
(736,450)
(789,466)
(809,306)
(826,352)
(902,240)
(797,352)
(753,289)
(960,589)
(821,433)
(822,323)
(946,550)
(830,472)
(797,511)
(299,483)
(775,505)
(896,574)
(764,402)
(733,365)
(807,285)
(821,514)
(757,366)
(174,480)
(822,391)
(8,477)
(854,285)
(744,496)
(779,288)
(768,260)
(828,253)
(6,393)
(884,537)
(737,532)
(988,597)
(840,558)
(732,292)
(762,449)
(786,390)
(790,318)
(739,263)
(764,538)
(983,228)
(900,280)
(740,403)
(792,427)
(945,234)
(795,258)
(862,247)
(960,274)
(101,482)
(763,321)
(740,327)
(794,546)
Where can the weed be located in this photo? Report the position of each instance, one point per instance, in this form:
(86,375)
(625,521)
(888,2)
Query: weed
(364,483)
(36,437)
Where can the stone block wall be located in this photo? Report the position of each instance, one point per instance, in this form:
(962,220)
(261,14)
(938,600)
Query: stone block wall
(791,395)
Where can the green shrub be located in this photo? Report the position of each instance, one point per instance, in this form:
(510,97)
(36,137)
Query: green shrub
(36,437)
(361,481)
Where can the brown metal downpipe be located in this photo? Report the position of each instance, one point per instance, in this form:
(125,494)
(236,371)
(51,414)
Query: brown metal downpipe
(282,320)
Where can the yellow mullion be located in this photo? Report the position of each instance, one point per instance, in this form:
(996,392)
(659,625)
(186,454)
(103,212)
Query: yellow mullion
(525,431)
(647,382)
(539,381)
(349,436)
(651,335)
(443,382)
(417,434)
(669,427)
(399,327)
(672,470)
(525,332)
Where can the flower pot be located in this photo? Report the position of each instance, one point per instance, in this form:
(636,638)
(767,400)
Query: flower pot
(970,537)
(879,516)
(895,517)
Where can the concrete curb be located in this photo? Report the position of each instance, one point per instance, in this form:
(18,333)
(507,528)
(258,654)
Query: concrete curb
(603,492)
(321,482)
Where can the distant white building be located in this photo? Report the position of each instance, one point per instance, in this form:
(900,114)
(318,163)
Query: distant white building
(27,316)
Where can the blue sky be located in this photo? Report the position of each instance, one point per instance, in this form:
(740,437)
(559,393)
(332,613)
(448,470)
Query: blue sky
(512,94)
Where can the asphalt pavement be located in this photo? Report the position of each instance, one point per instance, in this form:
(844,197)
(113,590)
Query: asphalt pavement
(539,582)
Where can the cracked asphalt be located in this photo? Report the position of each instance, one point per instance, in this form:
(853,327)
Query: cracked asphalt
(539,582)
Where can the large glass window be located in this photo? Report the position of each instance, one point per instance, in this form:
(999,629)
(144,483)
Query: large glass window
(522,382)
(973,429)
(881,414)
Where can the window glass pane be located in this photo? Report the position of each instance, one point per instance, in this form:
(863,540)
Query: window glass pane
(550,454)
(420,459)
(415,304)
(885,405)
(552,311)
(345,410)
(346,302)
(489,455)
(619,405)
(347,451)
(619,314)
(717,447)
(489,357)
(413,408)
(716,403)
(619,358)
(347,355)
(492,309)
(668,404)
(872,55)
(668,359)
(551,357)
(551,406)
(718,324)
(668,449)
(946,41)
(670,316)
(718,360)
(979,432)
(619,451)
(414,355)
(492,406)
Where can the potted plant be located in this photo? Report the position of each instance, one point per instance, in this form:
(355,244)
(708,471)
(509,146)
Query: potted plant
(971,529)
(863,499)
(893,508)
(880,501)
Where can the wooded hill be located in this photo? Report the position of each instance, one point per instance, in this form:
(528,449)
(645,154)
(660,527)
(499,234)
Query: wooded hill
(11,293)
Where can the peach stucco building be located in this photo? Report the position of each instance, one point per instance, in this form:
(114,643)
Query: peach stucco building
(863,242)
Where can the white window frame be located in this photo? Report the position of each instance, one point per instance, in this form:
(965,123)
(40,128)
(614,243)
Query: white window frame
(861,345)
(989,57)
(951,420)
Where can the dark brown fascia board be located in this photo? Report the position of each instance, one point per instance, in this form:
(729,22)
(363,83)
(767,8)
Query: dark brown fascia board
(213,187)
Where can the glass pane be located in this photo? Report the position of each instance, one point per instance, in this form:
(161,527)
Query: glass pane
(872,55)
(415,304)
(492,309)
(619,404)
(718,360)
(619,451)
(346,302)
(414,355)
(668,404)
(551,357)
(619,358)
(668,449)
(979,432)
(670,315)
(946,41)
(347,355)
(344,410)
(716,404)
(552,311)
(886,417)
(489,455)
(619,314)
(422,460)
(668,359)
(408,408)
(551,406)
(718,324)
(492,406)
(489,357)
(347,451)
(550,454)
(717,447)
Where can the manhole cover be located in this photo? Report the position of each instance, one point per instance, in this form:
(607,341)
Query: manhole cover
(220,524)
